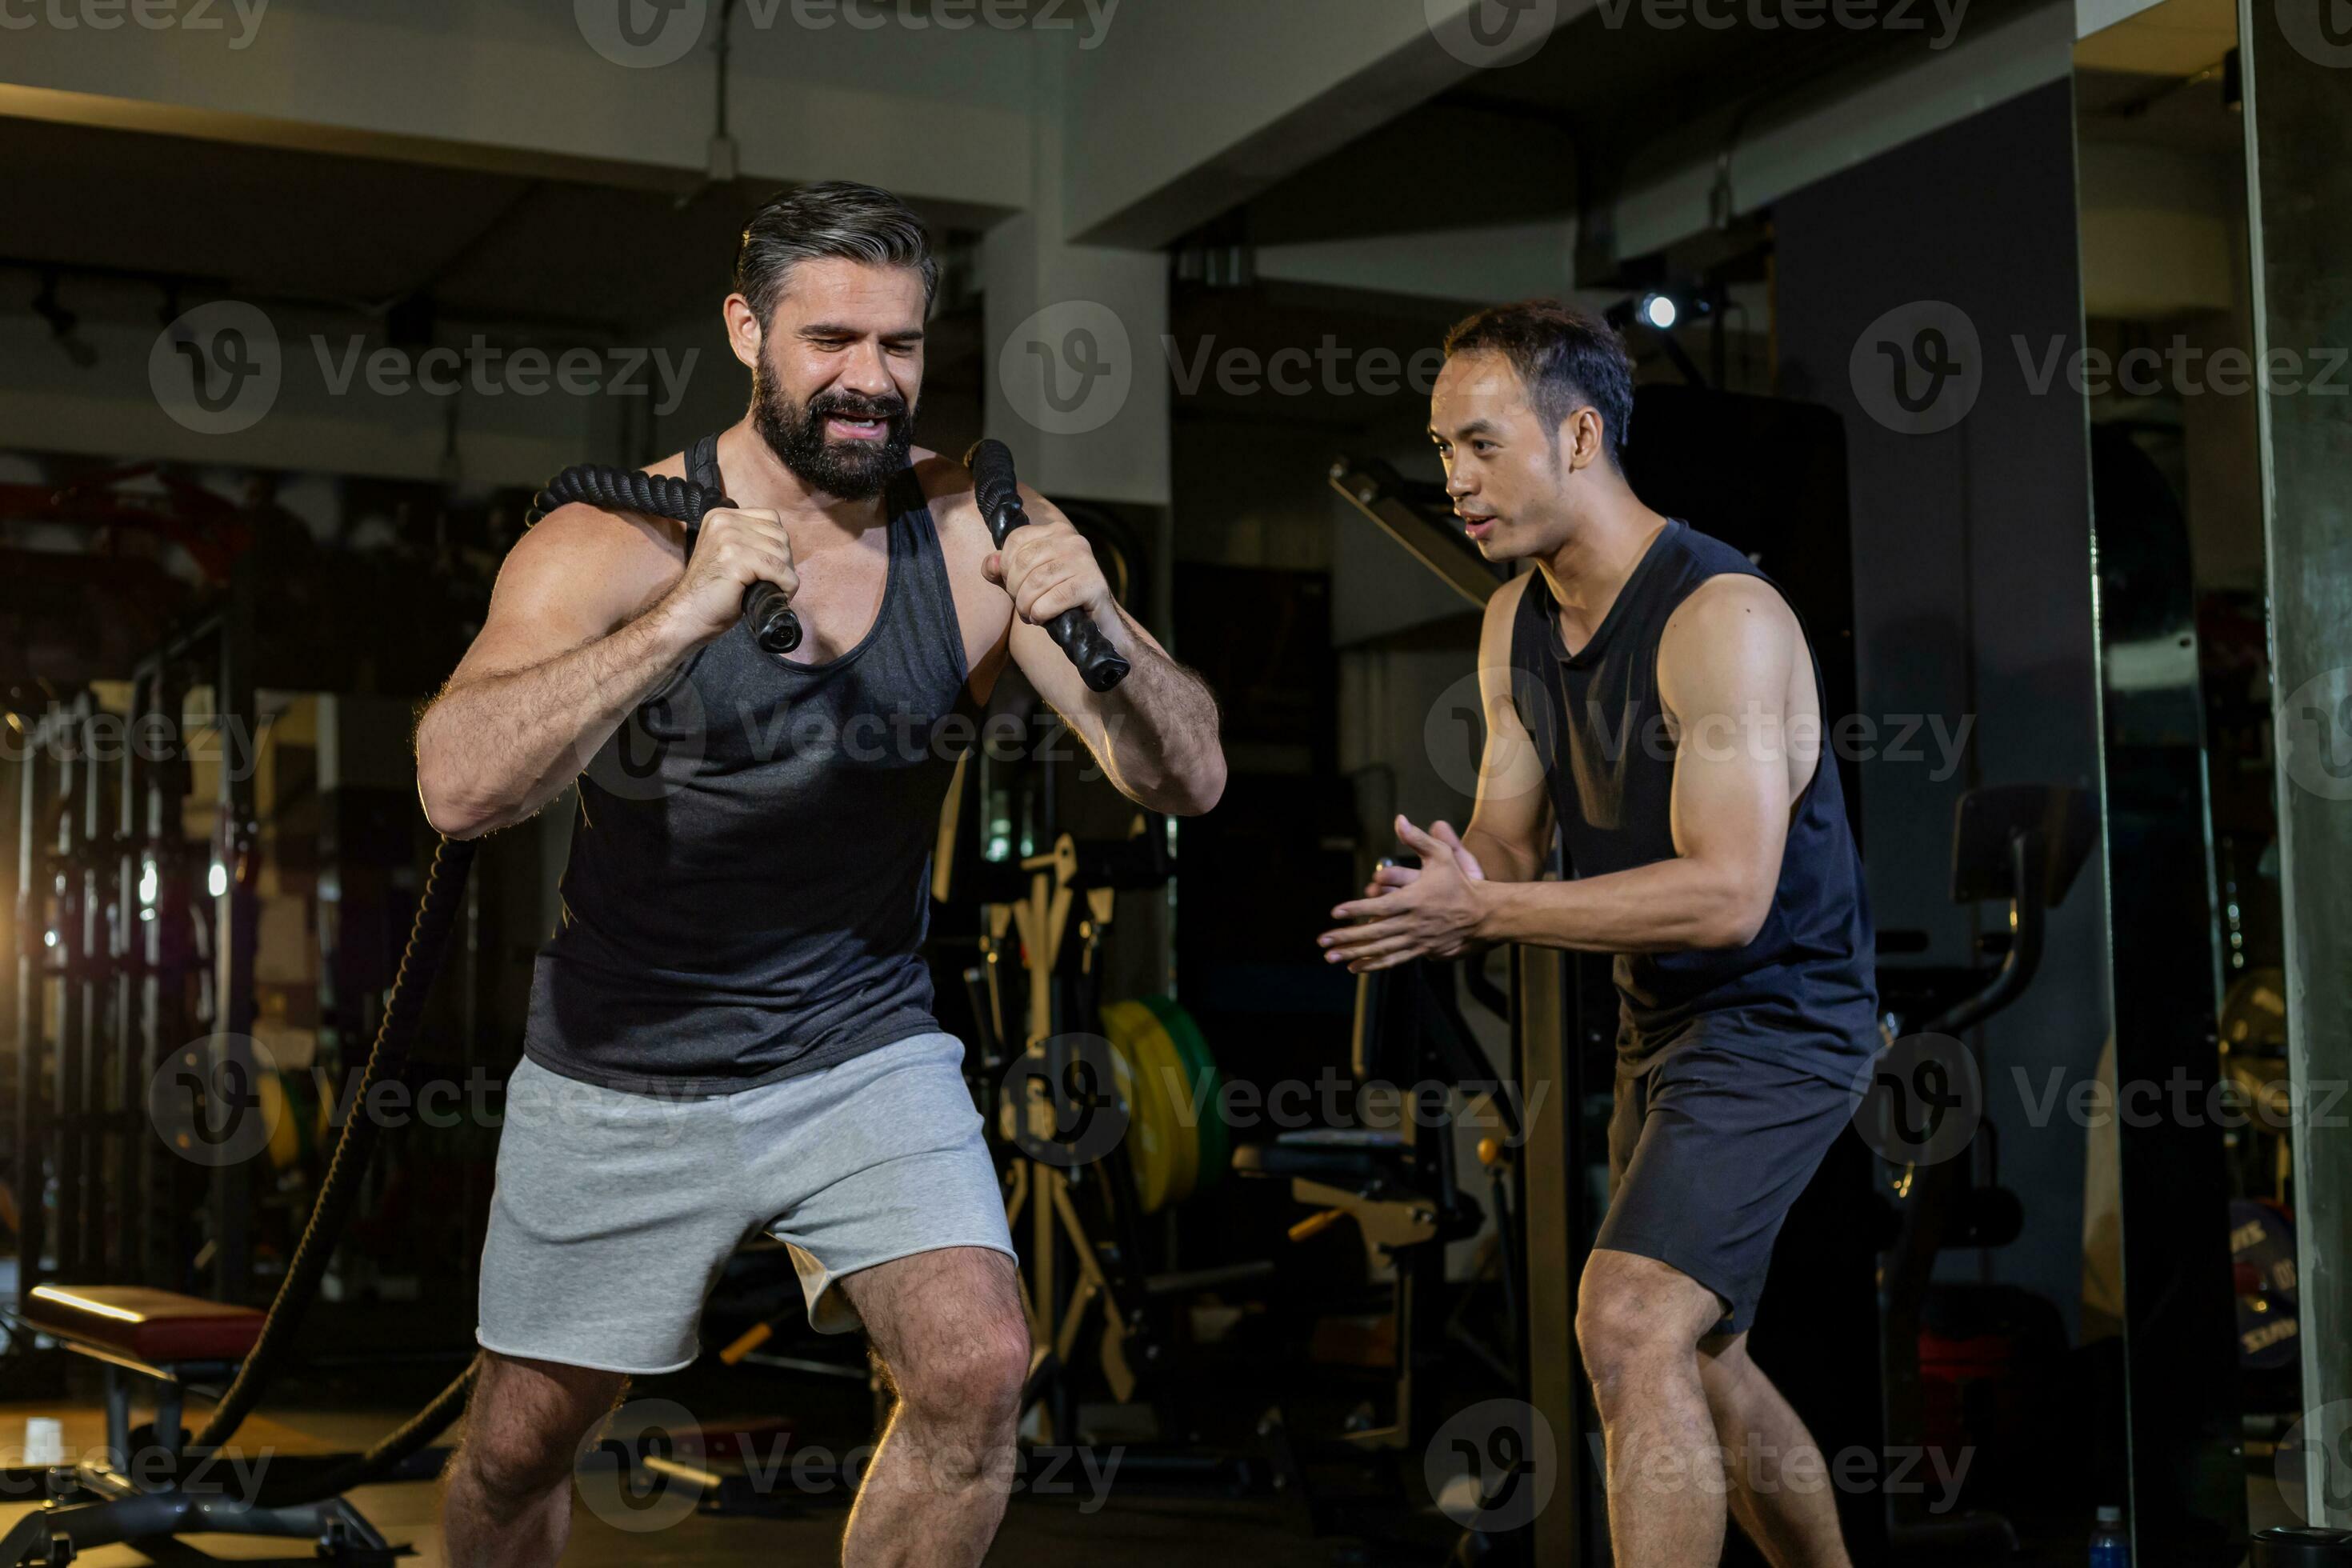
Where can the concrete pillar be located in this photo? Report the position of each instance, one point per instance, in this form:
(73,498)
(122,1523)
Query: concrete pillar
(1076,378)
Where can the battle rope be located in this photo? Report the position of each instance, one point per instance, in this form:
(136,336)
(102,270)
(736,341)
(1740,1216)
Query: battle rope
(395,1037)
(765,612)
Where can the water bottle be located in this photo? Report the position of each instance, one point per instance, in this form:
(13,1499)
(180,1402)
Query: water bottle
(2110,1547)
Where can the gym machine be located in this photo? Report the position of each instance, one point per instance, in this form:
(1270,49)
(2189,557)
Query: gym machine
(1403,1188)
(2022,845)
(132,939)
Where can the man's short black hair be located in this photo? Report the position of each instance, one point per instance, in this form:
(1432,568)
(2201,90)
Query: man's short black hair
(1566,358)
(834,218)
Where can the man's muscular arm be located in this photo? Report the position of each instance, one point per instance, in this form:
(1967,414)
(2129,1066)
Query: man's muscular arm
(1724,667)
(579,633)
(1156,733)
(1510,836)
(1510,827)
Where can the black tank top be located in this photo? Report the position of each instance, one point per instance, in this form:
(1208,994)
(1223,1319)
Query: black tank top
(748,889)
(1804,990)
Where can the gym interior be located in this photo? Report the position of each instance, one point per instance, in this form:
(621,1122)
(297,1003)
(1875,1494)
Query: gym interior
(2007,337)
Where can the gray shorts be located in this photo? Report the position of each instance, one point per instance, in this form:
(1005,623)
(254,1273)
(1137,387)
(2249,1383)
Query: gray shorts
(615,1211)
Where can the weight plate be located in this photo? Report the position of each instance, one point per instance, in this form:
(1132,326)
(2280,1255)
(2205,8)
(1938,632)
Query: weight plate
(1209,1087)
(1149,1143)
(1161,1073)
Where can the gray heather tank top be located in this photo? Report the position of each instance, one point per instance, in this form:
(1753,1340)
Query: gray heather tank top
(748,889)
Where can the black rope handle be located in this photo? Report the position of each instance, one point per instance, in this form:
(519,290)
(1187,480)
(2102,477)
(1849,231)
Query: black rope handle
(766,613)
(998,490)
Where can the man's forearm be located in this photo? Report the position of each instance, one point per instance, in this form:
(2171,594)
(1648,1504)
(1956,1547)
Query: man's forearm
(1160,732)
(1670,906)
(492,750)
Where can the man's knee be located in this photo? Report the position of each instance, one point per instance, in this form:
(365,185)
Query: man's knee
(516,1464)
(970,1381)
(525,1423)
(1634,1315)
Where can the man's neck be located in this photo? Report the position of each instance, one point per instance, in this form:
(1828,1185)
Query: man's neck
(1588,572)
(756,477)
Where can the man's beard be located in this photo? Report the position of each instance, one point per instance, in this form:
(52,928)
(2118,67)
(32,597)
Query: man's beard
(852,470)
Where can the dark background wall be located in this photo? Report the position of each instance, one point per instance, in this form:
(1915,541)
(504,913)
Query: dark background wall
(1972,577)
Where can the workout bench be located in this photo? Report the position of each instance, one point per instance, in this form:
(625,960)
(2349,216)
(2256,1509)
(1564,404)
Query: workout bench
(164,1342)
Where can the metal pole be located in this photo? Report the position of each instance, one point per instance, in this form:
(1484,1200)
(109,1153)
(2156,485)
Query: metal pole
(1551,1166)
(235,917)
(130,949)
(94,952)
(32,988)
(70,1105)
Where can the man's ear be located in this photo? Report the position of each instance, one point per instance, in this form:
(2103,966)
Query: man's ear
(1582,437)
(744,335)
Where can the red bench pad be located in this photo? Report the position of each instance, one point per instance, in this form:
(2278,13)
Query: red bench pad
(155,1326)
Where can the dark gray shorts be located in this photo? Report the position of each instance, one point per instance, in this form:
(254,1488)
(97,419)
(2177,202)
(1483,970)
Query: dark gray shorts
(1709,1147)
(615,1211)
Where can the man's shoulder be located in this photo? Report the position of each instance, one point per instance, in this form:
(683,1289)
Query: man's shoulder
(1730,626)
(1503,606)
(947,491)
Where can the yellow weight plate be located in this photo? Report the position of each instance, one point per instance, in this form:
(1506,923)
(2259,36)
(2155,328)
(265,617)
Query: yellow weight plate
(1208,1087)
(1147,1140)
(1153,1148)
(1170,1081)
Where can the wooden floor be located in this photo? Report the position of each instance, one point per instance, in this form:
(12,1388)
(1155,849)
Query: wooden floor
(1129,1532)
(1126,1531)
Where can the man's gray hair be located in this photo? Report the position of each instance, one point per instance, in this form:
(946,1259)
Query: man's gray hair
(835,218)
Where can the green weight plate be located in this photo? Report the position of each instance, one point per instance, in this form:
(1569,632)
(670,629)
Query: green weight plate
(1209,1086)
